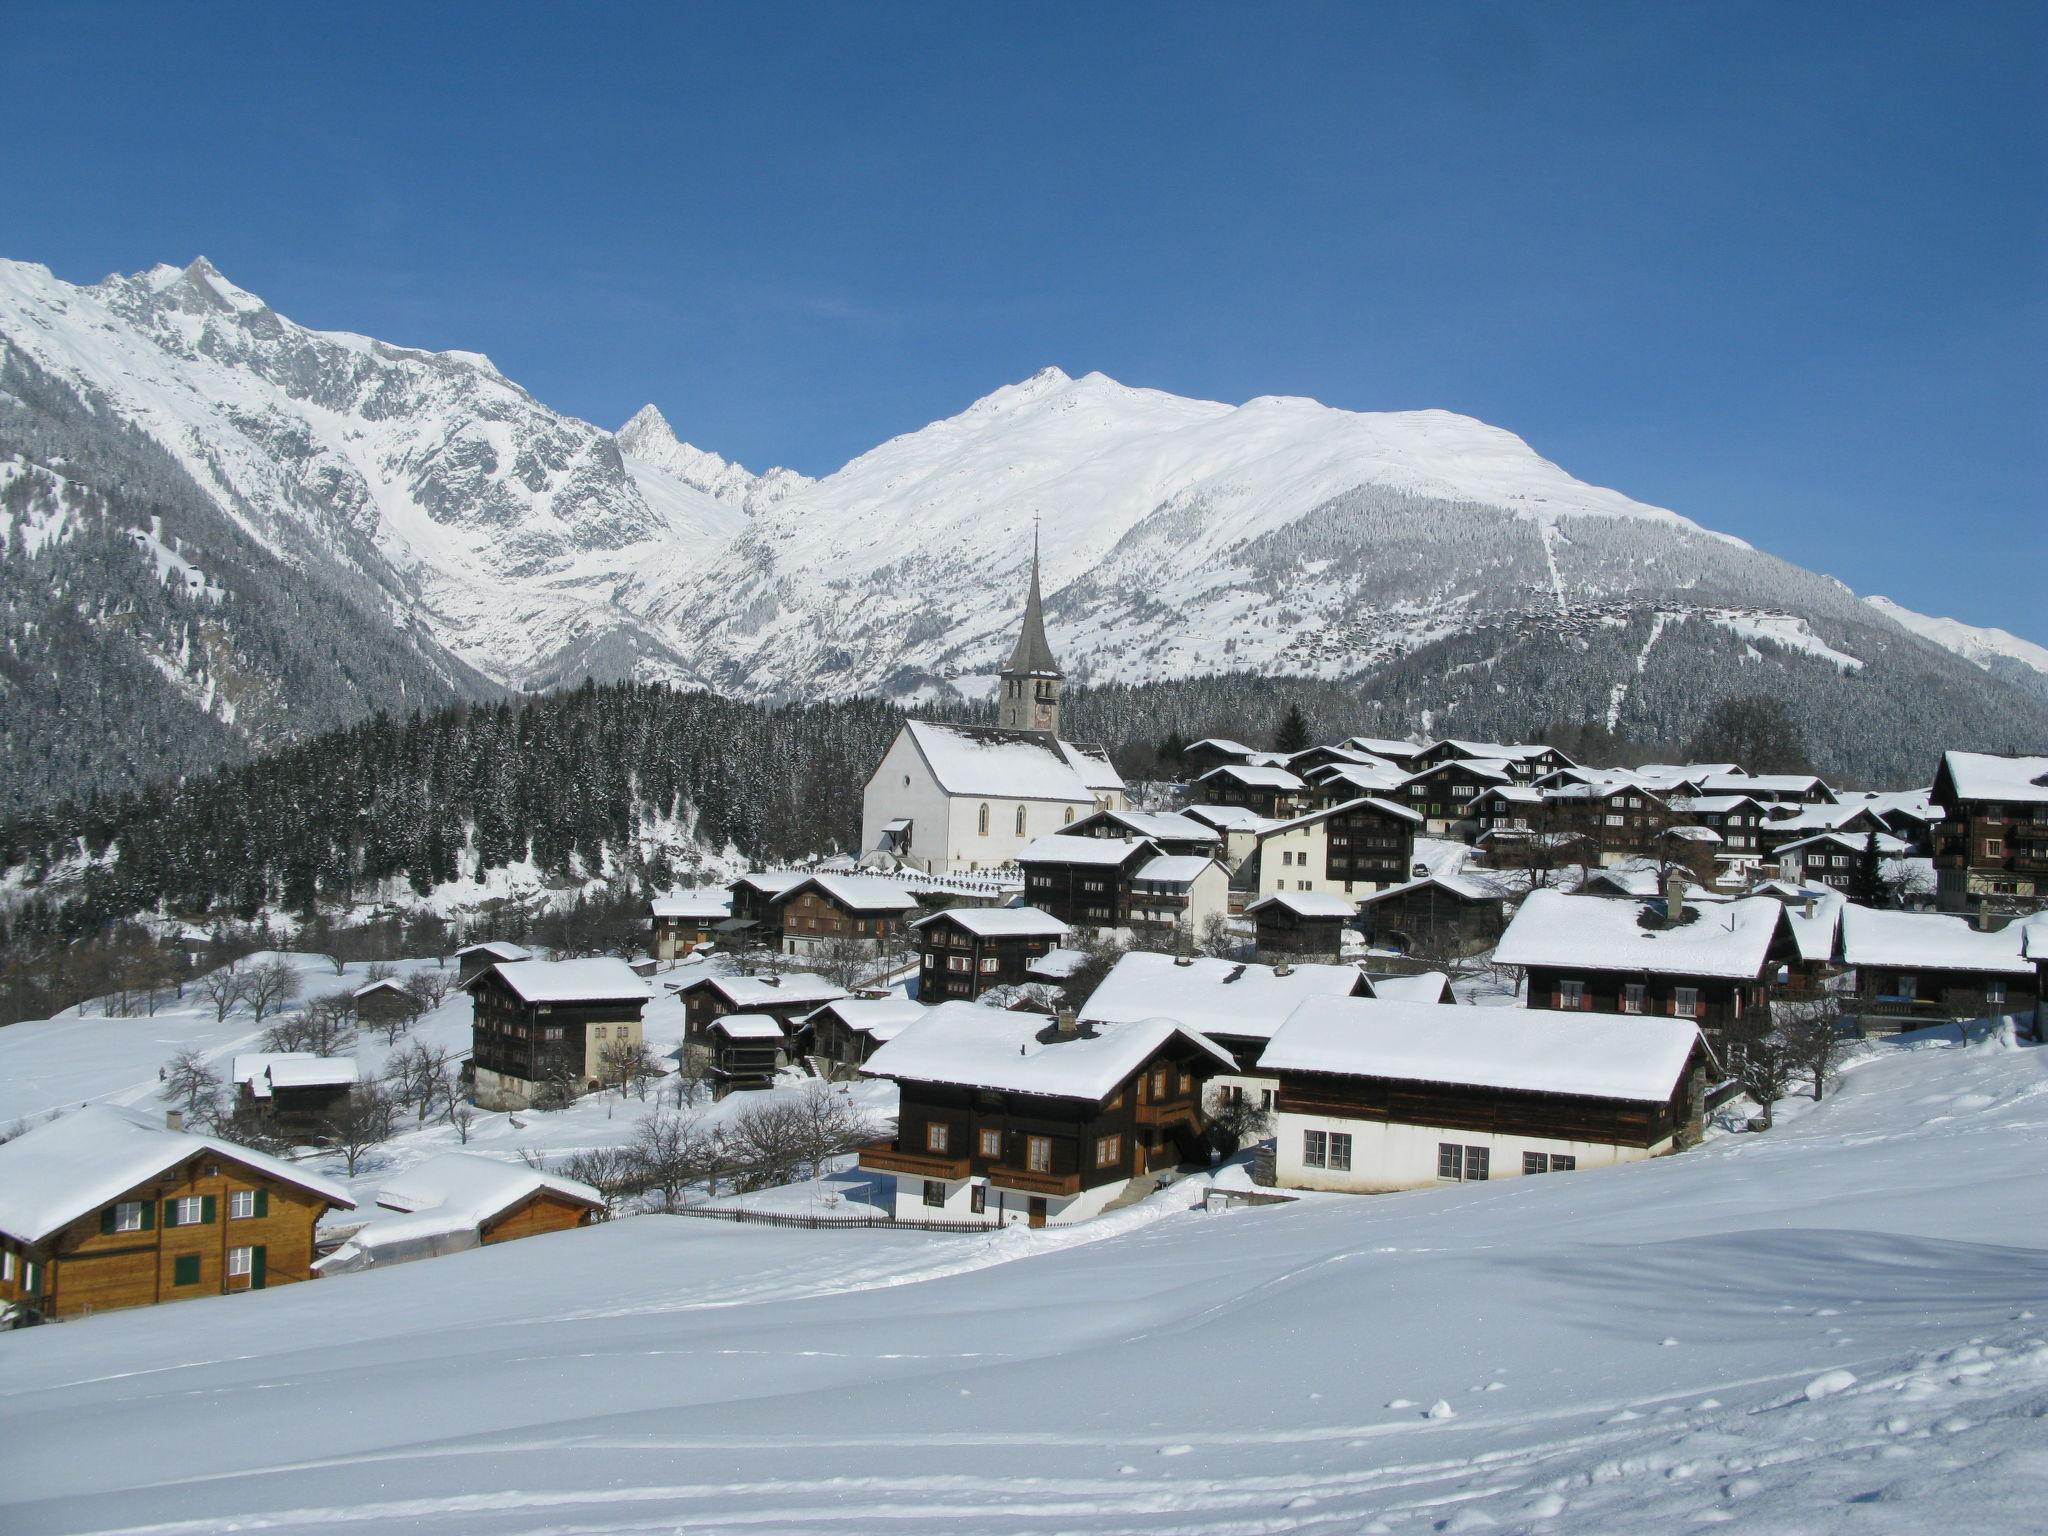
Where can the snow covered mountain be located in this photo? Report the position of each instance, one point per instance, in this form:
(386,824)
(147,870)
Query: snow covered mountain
(1995,650)
(526,548)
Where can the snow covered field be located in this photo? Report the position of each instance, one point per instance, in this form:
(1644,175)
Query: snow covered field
(1831,1328)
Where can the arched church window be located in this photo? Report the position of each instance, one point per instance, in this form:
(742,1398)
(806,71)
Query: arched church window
(1020,821)
(984,819)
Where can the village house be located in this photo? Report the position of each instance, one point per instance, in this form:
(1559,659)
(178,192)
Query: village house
(1523,762)
(1385,1095)
(296,1092)
(948,799)
(383,1002)
(964,951)
(472,960)
(456,1201)
(1815,915)
(1213,752)
(744,1051)
(787,999)
(541,1029)
(1403,754)
(1831,858)
(1709,964)
(1452,915)
(824,910)
(1908,814)
(1264,791)
(1301,925)
(1007,1114)
(1175,895)
(845,1033)
(1738,818)
(1352,848)
(679,924)
(755,903)
(1445,794)
(1991,848)
(1785,788)
(102,1209)
(1338,783)
(1171,832)
(1784,824)
(1915,969)
(1234,1005)
(1238,827)
(1083,881)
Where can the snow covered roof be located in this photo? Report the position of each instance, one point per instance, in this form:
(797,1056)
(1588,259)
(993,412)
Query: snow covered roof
(1173,869)
(1763,784)
(69,1167)
(1362,803)
(1165,826)
(2034,938)
(1062,848)
(968,1046)
(1815,934)
(747,1026)
(459,1192)
(858,893)
(1221,744)
(1476,768)
(498,950)
(1931,941)
(1384,746)
(1229,818)
(1362,776)
(1217,997)
(1639,1059)
(600,979)
(1006,764)
(1058,964)
(879,1018)
(710,903)
(1641,878)
(771,882)
(760,991)
(1987,776)
(1423,987)
(1493,751)
(382,984)
(1001,922)
(1597,933)
(1716,805)
(1307,904)
(265,1070)
(1093,766)
(1256,777)
(1467,884)
(1849,842)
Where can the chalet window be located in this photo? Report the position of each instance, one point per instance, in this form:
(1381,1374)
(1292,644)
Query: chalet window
(977,1199)
(7,1265)
(1109,1150)
(1560,1163)
(983,820)
(1020,821)
(929,960)
(990,965)
(1450,1160)
(1038,1154)
(185,1269)
(1994,847)
(1685,1002)
(1476,1161)
(1158,1084)
(1266,1098)
(127,1217)
(31,1277)
(243,1204)
(1340,1151)
(1994,997)
(956,962)
(934,1192)
(1632,997)
(991,1143)
(1612,821)
(241,1261)
(935,1136)
(187,1212)
(1535,1162)
(1315,1149)
(552,1032)
(600,1032)
(1571,994)
(1908,985)
(1092,885)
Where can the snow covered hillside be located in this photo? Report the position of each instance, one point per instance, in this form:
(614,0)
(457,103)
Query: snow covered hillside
(1836,1327)
(1986,647)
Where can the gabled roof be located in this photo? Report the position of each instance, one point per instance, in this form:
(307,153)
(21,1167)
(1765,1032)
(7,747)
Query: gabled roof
(770,882)
(1597,933)
(1847,842)
(1057,964)
(1255,777)
(1362,776)
(1495,751)
(72,1166)
(1815,933)
(857,893)
(710,904)
(1229,818)
(1796,816)
(1465,884)
(1637,1059)
(1476,767)
(1007,764)
(1433,987)
(473,1188)
(497,949)
(1362,803)
(1989,776)
(264,1071)
(382,984)
(999,922)
(1386,746)
(597,980)
(1765,785)
(879,1018)
(1306,904)
(1217,997)
(1165,826)
(747,1026)
(1106,852)
(1174,869)
(964,1045)
(1930,941)
(1221,744)
(762,991)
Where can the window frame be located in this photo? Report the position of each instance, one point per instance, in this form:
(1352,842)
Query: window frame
(1038,1154)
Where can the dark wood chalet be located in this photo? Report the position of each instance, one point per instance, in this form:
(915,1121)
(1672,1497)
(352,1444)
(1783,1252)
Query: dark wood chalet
(842,1035)
(1169,831)
(1915,969)
(1713,964)
(384,1002)
(1378,1095)
(541,1029)
(1305,925)
(823,910)
(1214,752)
(756,902)
(1083,881)
(1991,847)
(100,1210)
(296,1093)
(788,998)
(473,960)
(1006,1117)
(1262,790)
(963,951)
(679,924)
(1451,915)
(1444,794)
(1523,761)
(746,1051)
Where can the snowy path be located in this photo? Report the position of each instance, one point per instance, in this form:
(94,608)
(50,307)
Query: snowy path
(1826,1329)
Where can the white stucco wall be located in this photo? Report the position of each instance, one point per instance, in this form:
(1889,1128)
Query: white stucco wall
(1388,1156)
(1007,1206)
(902,786)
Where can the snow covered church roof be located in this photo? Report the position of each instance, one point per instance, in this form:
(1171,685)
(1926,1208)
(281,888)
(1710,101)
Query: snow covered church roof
(1598,933)
(1636,1058)
(968,1046)
(1010,765)
(70,1167)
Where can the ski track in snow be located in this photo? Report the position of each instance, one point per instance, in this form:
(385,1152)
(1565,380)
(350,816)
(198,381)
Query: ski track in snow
(1620,693)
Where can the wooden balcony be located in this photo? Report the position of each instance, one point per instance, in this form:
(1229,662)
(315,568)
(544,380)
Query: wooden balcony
(1170,1113)
(887,1157)
(1024,1181)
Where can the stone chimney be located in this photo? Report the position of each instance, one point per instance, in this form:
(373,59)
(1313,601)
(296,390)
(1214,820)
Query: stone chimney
(1066,1022)
(1675,882)
(174,1120)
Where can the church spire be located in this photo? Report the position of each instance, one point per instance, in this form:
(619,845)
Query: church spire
(1030,692)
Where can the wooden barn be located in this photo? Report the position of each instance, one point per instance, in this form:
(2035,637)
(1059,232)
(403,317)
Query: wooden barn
(963,951)
(1914,969)
(1305,925)
(298,1093)
(456,1201)
(1451,915)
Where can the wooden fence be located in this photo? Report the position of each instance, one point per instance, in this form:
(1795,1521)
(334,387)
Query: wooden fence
(815,1223)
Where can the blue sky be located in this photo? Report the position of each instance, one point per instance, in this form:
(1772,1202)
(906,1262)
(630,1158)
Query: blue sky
(1782,268)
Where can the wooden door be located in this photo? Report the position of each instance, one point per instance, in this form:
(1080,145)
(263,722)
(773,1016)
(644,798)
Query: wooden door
(1037,1210)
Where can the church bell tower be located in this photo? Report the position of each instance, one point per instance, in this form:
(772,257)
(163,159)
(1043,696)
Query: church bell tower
(1031,681)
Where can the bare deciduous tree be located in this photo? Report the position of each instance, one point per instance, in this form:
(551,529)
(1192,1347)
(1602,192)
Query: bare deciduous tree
(325,1027)
(360,1125)
(225,988)
(462,1115)
(1814,1040)
(421,1078)
(190,1083)
(614,1172)
(428,989)
(1236,1121)
(1761,1061)
(669,1153)
(270,986)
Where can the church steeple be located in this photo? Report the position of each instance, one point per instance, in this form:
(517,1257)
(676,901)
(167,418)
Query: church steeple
(1031,681)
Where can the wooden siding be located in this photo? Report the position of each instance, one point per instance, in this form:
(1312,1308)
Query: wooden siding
(1495,1111)
(544,1211)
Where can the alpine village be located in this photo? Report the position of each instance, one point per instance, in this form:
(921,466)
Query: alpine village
(1038,993)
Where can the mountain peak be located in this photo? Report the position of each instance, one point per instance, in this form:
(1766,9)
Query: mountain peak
(646,429)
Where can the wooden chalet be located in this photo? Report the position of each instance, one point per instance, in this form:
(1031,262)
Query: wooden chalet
(1083,881)
(755,900)
(822,910)
(456,1201)
(1378,1095)
(1915,969)
(297,1093)
(679,924)
(1005,1116)
(1304,925)
(1709,964)
(1444,793)
(101,1209)
(1171,832)
(1263,790)
(541,1029)
(1352,847)
(1784,788)
(1991,847)
(964,951)
(383,1002)
(1238,827)
(787,998)
(746,1050)
(1213,752)
(1524,762)
(842,1035)
(1831,858)
(1451,915)
(472,960)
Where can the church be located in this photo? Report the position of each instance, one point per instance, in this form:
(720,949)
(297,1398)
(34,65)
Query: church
(952,799)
